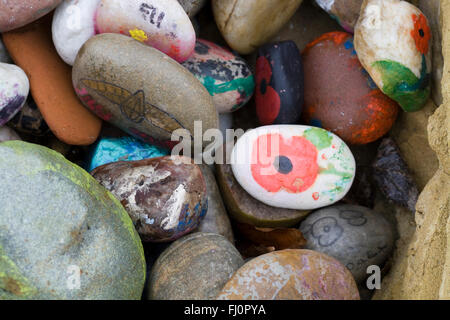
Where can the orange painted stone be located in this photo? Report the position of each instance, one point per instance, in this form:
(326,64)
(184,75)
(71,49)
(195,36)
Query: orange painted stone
(32,49)
(291,275)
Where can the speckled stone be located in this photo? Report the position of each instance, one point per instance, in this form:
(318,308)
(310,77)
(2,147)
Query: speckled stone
(247,24)
(56,219)
(165,197)
(291,275)
(17,13)
(356,236)
(195,267)
(216,219)
(14,88)
(140,90)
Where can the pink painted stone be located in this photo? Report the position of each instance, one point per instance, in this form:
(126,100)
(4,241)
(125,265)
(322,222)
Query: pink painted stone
(17,13)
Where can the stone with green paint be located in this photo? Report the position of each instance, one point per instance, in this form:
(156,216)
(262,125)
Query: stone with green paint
(293,166)
(226,76)
(62,235)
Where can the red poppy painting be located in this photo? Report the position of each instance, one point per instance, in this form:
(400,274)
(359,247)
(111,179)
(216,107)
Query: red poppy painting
(421,33)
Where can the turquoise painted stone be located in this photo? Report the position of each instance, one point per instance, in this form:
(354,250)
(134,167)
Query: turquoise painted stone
(62,235)
(108,150)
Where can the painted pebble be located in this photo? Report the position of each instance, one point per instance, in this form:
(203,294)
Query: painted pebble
(279,83)
(356,236)
(29,120)
(17,13)
(393,42)
(195,267)
(226,77)
(140,90)
(216,219)
(108,150)
(293,166)
(14,89)
(162,24)
(346,12)
(340,96)
(8,134)
(263,19)
(192,7)
(165,197)
(291,275)
(56,219)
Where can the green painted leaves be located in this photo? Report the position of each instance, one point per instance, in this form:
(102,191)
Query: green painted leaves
(318,137)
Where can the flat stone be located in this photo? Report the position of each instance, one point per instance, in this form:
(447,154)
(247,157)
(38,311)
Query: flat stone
(393,42)
(195,267)
(248,24)
(50,82)
(293,166)
(340,95)
(58,223)
(356,236)
(227,77)
(293,274)
(165,197)
(17,13)
(140,90)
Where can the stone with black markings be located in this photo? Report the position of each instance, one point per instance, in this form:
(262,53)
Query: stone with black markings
(165,197)
(354,235)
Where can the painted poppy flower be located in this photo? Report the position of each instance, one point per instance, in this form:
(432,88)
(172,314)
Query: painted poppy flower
(421,33)
(284,164)
(267,99)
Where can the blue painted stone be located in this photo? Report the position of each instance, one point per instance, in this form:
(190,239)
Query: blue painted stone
(108,150)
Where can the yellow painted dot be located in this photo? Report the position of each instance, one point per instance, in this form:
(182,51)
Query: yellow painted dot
(138,34)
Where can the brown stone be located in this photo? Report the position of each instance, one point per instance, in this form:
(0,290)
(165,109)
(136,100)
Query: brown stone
(195,267)
(32,49)
(17,13)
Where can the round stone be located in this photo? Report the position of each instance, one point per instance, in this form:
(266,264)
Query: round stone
(356,236)
(141,90)
(345,12)
(162,24)
(323,167)
(108,150)
(195,267)
(226,76)
(14,88)
(291,275)
(17,13)
(340,96)
(165,197)
(56,224)
(263,19)
(393,42)
(279,83)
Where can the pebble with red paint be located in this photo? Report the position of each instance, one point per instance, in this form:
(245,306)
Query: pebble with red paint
(227,77)
(279,83)
(165,197)
(340,96)
(293,166)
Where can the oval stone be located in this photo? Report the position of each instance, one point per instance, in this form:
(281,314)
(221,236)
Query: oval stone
(291,275)
(17,13)
(263,19)
(393,42)
(140,90)
(345,12)
(55,221)
(216,219)
(165,197)
(356,236)
(7,134)
(226,76)
(279,83)
(340,96)
(293,166)
(195,267)
(14,88)
(108,150)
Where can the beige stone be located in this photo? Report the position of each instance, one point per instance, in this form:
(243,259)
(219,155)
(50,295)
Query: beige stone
(247,24)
